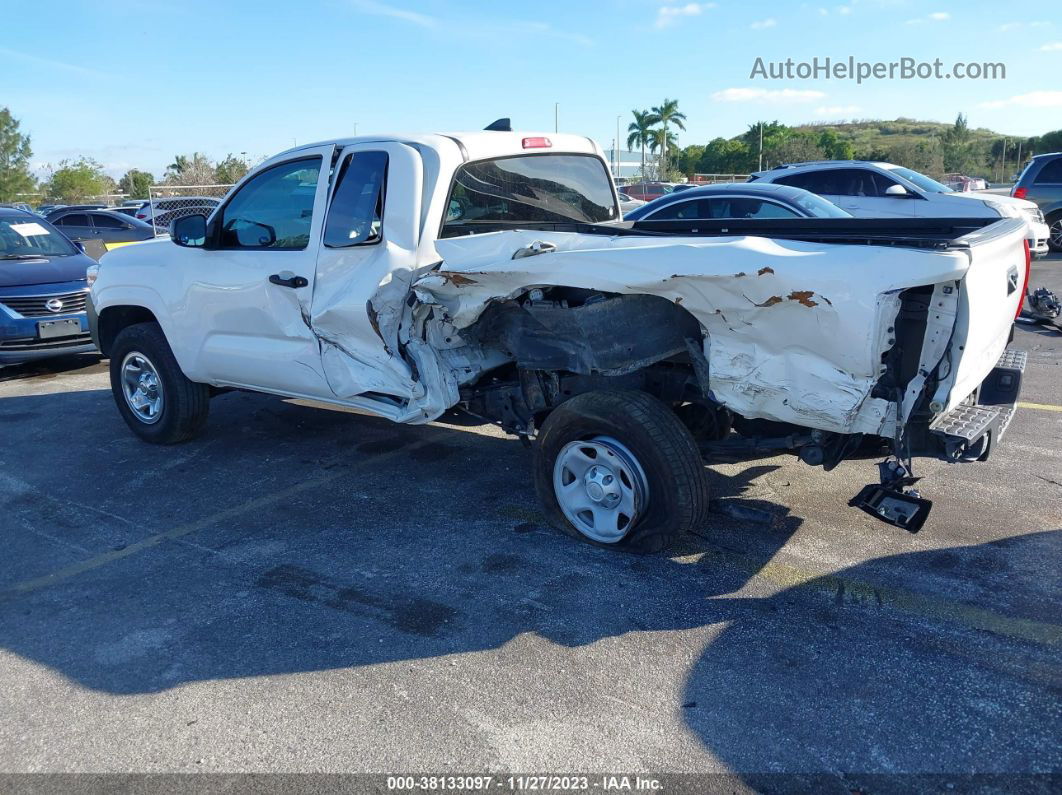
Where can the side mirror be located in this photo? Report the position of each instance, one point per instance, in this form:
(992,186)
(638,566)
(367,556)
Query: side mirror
(189,231)
(897,191)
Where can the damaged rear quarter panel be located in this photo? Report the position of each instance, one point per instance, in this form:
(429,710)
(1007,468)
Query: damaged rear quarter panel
(794,330)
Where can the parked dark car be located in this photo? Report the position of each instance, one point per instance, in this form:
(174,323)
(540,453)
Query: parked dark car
(647,191)
(1041,182)
(129,210)
(43,292)
(105,225)
(737,200)
(59,207)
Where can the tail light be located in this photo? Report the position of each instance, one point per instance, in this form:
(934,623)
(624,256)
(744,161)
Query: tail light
(1025,282)
(141,215)
(539,142)
(1019,193)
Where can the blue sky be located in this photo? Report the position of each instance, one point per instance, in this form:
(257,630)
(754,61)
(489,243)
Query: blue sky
(132,84)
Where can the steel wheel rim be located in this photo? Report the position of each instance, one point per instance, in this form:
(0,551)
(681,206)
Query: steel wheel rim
(1055,232)
(142,388)
(600,487)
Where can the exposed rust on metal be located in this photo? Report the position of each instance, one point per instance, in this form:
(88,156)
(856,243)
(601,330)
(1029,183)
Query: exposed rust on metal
(774,299)
(803,297)
(458,279)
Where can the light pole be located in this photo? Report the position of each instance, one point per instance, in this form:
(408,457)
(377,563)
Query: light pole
(618,144)
(556,117)
(760,166)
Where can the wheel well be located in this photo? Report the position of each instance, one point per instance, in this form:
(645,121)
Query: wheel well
(115,318)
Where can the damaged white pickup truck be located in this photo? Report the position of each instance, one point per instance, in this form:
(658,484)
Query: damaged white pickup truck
(490,271)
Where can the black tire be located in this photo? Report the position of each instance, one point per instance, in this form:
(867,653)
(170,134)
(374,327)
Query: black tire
(1054,236)
(663,446)
(185,404)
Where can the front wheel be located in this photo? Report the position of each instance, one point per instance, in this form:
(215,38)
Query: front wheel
(156,400)
(620,469)
(1054,234)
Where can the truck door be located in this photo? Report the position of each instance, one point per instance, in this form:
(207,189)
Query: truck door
(246,299)
(364,267)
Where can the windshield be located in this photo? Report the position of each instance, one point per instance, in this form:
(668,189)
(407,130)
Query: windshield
(531,188)
(28,237)
(816,206)
(921,180)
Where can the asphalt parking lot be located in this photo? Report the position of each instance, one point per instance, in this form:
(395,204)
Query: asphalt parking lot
(308,590)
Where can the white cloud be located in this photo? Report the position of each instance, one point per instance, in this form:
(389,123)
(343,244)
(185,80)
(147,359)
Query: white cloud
(823,12)
(384,10)
(936,16)
(669,15)
(1053,46)
(837,111)
(783,95)
(844,10)
(763,24)
(1034,99)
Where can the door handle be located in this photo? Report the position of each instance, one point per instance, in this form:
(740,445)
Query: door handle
(288,279)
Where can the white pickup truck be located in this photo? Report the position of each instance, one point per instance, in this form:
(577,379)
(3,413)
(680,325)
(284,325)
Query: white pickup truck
(489,271)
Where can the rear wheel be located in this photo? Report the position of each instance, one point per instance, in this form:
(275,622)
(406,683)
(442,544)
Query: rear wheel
(620,469)
(156,400)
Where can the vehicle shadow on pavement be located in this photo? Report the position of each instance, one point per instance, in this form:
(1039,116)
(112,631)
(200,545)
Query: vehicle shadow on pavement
(292,540)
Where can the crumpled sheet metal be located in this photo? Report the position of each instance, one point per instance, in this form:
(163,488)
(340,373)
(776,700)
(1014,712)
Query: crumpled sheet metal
(794,329)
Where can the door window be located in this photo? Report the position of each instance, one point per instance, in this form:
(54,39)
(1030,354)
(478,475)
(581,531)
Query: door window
(355,216)
(681,211)
(835,182)
(74,219)
(274,209)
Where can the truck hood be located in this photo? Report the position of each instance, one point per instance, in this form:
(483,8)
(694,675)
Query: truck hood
(46,270)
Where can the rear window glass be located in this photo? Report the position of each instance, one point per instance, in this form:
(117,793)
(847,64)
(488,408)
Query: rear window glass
(530,188)
(1051,171)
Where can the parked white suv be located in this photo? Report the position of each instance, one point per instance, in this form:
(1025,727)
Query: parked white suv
(884,190)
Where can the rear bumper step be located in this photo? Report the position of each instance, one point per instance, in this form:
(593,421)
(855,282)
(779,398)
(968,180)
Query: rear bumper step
(969,432)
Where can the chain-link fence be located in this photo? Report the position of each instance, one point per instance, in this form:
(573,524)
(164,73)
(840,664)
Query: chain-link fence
(712,179)
(166,203)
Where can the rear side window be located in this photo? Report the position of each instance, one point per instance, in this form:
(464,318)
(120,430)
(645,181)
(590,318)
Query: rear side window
(355,216)
(106,222)
(530,188)
(837,182)
(1051,172)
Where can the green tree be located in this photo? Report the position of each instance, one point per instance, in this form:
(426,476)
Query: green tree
(793,148)
(925,156)
(231,170)
(639,131)
(15,152)
(773,132)
(688,159)
(77,180)
(834,146)
(956,143)
(177,167)
(667,114)
(135,183)
(723,156)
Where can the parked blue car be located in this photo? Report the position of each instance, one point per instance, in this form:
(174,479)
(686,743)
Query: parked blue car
(43,292)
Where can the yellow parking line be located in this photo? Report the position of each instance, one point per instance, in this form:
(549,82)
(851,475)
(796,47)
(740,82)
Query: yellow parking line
(1040,406)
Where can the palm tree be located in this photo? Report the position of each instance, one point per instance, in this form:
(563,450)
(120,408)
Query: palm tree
(660,139)
(179,164)
(667,113)
(641,129)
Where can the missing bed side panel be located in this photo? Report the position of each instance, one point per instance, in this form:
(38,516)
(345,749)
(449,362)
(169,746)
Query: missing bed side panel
(601,335)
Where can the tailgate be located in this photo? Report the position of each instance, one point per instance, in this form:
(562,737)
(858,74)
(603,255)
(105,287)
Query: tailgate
(989,296)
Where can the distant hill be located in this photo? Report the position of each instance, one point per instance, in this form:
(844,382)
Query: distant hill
(882,135)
